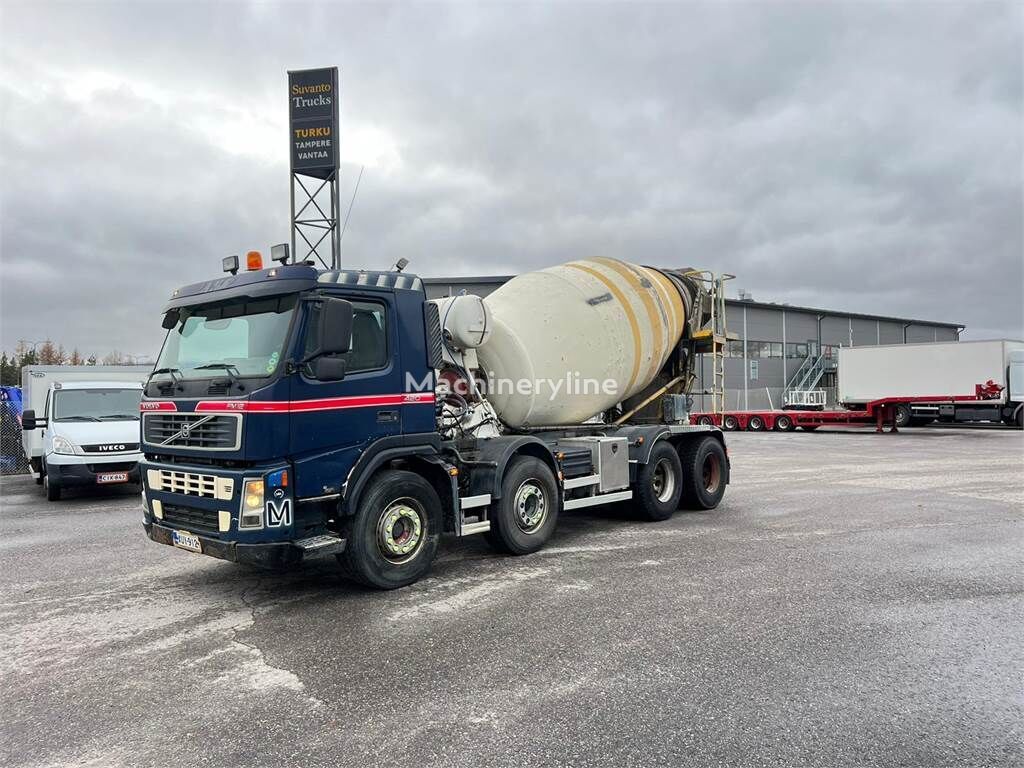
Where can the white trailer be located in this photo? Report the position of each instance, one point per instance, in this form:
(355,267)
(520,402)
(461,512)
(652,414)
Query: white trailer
(950,381)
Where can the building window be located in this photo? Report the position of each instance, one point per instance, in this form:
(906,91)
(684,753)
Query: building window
(796,351)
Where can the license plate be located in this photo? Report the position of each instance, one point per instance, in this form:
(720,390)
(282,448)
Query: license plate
(186,540)
(112,477)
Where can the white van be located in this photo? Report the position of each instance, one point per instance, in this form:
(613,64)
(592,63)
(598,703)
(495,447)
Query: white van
(84,432)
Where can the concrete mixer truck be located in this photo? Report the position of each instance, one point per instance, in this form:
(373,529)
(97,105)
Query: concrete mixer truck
(295,412)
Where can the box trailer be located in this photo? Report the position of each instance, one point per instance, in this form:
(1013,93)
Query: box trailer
(951,381)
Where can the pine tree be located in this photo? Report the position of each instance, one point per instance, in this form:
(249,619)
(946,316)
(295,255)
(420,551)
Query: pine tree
(48,354)
(76,357)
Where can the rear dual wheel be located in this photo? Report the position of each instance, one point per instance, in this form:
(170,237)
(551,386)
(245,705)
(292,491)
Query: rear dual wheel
(755,424)
(730,423)
(659,483)
(705,473)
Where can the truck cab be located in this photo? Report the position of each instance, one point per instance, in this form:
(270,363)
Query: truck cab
(87,434)
(270,386)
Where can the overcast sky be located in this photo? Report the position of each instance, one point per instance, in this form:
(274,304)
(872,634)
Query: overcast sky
(851,156)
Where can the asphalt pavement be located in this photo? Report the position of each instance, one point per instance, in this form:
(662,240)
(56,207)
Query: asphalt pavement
(858,599)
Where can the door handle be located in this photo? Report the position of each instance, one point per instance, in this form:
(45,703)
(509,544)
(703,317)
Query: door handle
(387,417)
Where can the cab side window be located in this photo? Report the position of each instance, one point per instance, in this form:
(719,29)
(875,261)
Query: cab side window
(369,348)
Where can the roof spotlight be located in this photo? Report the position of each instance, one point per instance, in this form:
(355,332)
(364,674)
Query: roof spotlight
(401,264)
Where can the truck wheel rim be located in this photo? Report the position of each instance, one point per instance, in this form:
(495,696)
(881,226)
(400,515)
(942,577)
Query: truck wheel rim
(400,531)
(755,424)
(531,506)
(663,483)
(711,473)
(783,423)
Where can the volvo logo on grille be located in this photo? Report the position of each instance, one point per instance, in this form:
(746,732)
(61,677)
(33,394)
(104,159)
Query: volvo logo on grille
(111,447)
(186,430)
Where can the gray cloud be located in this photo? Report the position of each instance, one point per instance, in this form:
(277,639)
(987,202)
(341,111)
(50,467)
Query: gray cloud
(864,157)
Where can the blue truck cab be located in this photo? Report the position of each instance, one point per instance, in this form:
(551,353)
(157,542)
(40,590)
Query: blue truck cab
(292,412)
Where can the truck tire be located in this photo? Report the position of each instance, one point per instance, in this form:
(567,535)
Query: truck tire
(392,539)
(659,484)
(1020,418)
(706,421)
(903,415)
(730,423)
(705,473)
(525,516)
(809,427)
(52,488)
(756,424)
(784,423)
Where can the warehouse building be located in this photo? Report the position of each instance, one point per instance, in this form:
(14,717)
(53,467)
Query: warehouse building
(775,346)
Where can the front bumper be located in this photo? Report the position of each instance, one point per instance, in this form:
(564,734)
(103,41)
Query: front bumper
(266,555)
(69,471)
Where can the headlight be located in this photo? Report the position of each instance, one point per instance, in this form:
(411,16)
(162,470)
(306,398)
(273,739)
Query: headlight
(65,446)
(252,505)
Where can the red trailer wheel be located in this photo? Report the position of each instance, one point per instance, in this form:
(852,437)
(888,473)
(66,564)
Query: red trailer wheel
(756,424)
(730,423)
(706,421)
(784,423)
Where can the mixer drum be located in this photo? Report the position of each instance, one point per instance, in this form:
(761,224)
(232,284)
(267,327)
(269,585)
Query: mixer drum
(603,328)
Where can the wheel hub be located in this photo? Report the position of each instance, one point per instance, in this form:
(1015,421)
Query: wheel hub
(664,481)
(530,506)
(400,531)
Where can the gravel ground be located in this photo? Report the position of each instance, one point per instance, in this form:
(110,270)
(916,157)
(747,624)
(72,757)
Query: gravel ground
(856,600)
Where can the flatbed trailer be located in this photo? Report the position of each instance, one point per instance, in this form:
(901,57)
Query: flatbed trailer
(877,413)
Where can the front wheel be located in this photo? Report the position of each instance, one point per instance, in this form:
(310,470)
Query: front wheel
(705,473)
(393,537)
(525,516)
(660,483)
(52,487)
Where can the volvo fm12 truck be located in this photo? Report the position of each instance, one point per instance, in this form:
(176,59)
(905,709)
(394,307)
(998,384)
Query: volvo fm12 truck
(295,412)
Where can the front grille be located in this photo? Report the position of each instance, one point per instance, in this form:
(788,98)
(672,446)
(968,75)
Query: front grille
(191,518)
(209,432)
(111,448)
(114,466)
(191,484)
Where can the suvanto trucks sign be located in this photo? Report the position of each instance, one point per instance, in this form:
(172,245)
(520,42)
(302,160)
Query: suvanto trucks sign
(313,121)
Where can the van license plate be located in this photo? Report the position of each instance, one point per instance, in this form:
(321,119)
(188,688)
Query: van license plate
(186,540)
(112,477)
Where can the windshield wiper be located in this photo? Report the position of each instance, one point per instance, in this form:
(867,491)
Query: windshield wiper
(229,368)
(77,418)
(175,374)
(132,416)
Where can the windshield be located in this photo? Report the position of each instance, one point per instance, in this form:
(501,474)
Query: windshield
(96,404)
(237,338)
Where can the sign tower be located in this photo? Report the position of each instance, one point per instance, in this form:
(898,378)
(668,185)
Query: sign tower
(314,161)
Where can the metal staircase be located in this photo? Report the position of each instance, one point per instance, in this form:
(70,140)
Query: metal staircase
(801,389)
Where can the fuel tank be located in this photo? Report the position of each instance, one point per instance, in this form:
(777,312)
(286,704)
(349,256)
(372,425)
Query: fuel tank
(571,341)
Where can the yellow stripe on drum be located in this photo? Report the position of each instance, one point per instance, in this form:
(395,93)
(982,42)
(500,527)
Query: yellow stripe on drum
(634,326)
(659,335)
(674,301)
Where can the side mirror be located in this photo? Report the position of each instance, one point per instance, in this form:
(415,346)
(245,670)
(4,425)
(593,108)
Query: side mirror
(329,368)
(334,328)
(170,319)
(28,420)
